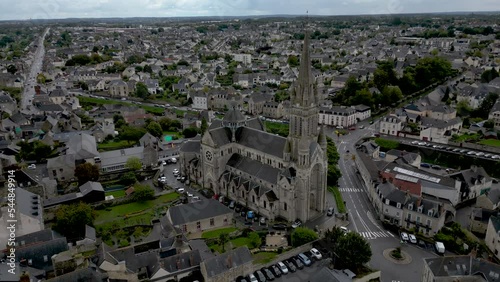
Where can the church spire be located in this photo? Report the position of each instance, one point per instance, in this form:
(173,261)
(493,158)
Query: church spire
(305,89)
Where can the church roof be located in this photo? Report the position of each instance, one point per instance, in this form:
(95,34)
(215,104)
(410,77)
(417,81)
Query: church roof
(304,92)
(234,115)
(221,136)
(254,168)
(260,140)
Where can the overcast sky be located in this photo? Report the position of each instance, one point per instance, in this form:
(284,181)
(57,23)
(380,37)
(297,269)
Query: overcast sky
(55,9)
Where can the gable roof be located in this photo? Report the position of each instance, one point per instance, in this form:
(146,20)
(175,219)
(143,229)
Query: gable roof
(83,146)
(260,140)
(222,263)
(254,168)
(196,211)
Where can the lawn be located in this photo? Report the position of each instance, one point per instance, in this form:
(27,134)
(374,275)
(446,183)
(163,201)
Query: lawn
(114,145)
(98,101)
(217,232)
(116,194)
(490,142)
(387,144)
(338,198)
(118,212)
(466,137)
(232,244)
(263,257)
(277,128)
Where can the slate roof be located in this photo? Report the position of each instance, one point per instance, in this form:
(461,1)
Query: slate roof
(456,267)
(121,156)
(254,168)
(86,274)
(182,261)
(471,175)
(39,236)
(28,203)
(196,211)
(330,275)
(83,146)
(262,141)
(496,223)
(61,161)
(221,136)
(234,258)
(37,251)
(90,186)
(191,146)
(494,195)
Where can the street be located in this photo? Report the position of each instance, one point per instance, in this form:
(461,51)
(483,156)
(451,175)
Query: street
(31,79)
(362,217)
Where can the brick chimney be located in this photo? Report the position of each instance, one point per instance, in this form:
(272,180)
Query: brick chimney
(37,89)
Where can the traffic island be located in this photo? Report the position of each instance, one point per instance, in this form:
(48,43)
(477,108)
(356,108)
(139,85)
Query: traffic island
(397,256)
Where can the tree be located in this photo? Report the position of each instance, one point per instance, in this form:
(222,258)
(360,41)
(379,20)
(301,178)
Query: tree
(40,78)
(70,220)
(133,163)
(489,124)
(333,173)
(223,239)
(190,132)
(131,133)
(148,69)
(143,193)
(128,178)
(489,75)
(86,172)
(293,61)
(254,240)
(12,69)
(155,129)
(353,250)
(204,125)
(141,90)
(34,151)
(485,107)
(303,235)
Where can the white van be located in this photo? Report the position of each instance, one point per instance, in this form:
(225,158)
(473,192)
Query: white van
(440,248)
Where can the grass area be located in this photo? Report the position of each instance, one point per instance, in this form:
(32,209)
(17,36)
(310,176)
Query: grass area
(338,198)
(386,144)
(98,101)
(217,232)
(120,211)
(490,142)
(263,257)
(232,244)
(114,145)
(466,137)
(116,194)
(277,128)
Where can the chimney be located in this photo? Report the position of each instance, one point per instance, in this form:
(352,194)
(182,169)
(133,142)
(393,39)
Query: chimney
(37,89)
(419,202)
(191,260)
(229,261)
(178,264)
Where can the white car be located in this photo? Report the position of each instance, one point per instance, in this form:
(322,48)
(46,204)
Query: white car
(283,267)
(32,166)
(196,198)
(189,194)
(163,179)
(413,238)
(404,236)
(252,278)
(164,163)
(296,224)
(175,171)
(343,228)
(315,253)
(180,190)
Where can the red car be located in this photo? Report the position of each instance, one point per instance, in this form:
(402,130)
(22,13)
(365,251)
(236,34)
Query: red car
(352,128)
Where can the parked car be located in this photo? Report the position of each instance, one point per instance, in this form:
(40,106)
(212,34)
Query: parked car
(275,270)
(413,238)
(180,190)
(304,259)
(343,228)
(232,204)
(283,267)
(289,264)
(297,223)
(262,220)
(330,211)
(269,275)
(260,276)
(280,226)
(426,165)
(252,278)
(32,166)
(404,236)
(316,254)
(175,171)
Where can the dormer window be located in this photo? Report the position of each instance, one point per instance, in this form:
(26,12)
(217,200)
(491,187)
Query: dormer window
(410,206)
(419,209)
(387,201)
(429,213)
(398,205)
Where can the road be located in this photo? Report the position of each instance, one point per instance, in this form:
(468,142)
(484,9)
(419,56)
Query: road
(36,67)
(362,217)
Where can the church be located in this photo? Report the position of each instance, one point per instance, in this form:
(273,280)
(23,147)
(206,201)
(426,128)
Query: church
(271,175)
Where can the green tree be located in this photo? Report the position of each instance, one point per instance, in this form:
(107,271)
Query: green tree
(333,235)
(155,129)
(223,239)
(204,125)
(485,107)
(86,172)
(133,163)
(131,133)
(128,178)
(333,173)
(363,96)
(303,235)
(489,75)
(141,90)
(353,250)
(254,240)
(390,95)
(148,69)
(190,132)
(11,69)
(293,61)
(40,78)
(489,124)
(70,220)
(34,151)
(143,193)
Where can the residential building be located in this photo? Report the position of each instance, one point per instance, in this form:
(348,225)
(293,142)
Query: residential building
(227,266)
(490,199)
(118,88)
(256,103)
(475,182)
(439,131)
(115,160)
(243,58)
(362,112)
(338,116)
(238,159)
(90,192)
(391,125)
(495,114)
(272,110)
(200,216)
(459,268)
(61,168)
(492,238)
(200,100)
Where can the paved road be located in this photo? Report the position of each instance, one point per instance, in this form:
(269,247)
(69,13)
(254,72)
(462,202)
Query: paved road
(362,216)
(35,69)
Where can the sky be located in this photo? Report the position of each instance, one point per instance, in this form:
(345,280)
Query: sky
(57,9)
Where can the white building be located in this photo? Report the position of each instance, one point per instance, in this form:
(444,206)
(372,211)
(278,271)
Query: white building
(200,101)
(391,125)
(338,116)
(244,58)
(492,239)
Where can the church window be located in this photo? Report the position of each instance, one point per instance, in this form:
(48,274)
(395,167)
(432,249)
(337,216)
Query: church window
(285,206)
(253,199)
(222,153)
(233,189)
(265,204)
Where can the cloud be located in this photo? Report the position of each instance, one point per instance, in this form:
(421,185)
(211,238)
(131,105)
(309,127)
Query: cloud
(53,9)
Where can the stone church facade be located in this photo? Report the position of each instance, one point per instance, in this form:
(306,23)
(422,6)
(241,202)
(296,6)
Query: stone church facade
(270,174)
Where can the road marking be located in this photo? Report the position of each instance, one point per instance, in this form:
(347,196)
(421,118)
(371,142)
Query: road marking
(375,235)
(351,190)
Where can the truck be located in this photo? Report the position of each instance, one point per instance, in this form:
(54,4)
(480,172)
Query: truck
(440,248)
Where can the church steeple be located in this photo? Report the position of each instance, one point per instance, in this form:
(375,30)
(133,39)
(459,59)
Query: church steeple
(304,93)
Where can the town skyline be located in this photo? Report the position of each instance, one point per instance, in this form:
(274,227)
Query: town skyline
(24,10)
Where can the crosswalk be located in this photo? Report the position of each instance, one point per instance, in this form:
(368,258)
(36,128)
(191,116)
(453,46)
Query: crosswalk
(351,190)
(375,235)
